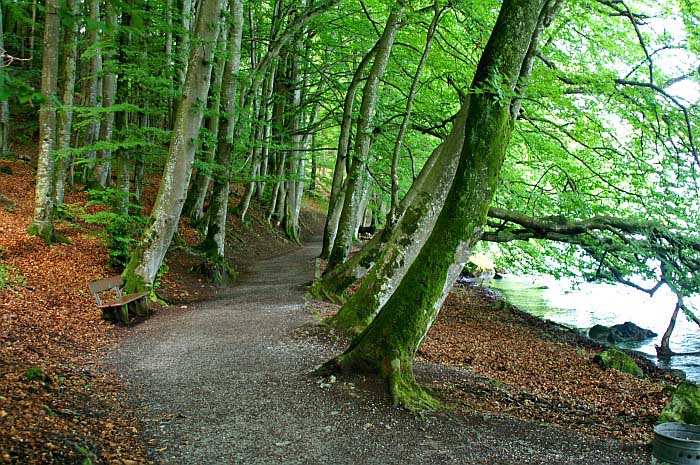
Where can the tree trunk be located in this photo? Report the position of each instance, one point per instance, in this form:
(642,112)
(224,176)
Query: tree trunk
(664,350)
(194,205)
(214,244)
(109,90)
(407,237)
(337,195)
(279,139)
(4,106)
(389,343)
(334,282)
(66,91)
(146,260)
(357,173)
(243,206)
(391,217)
(295,185)
(42,225)
(95,84)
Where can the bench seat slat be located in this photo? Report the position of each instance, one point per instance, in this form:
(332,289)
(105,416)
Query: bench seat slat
(123,300)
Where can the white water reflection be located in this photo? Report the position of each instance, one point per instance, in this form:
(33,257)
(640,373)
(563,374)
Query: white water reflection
(587,304)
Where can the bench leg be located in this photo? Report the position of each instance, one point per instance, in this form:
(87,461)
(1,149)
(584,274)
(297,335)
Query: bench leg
(124,314)
(140,307)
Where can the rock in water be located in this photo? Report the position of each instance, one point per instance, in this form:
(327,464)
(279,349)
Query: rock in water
(626,332)
(629,332)
(598,332)
(618,360)
(684,406)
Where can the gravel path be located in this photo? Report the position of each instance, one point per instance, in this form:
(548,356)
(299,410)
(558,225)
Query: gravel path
(227,382)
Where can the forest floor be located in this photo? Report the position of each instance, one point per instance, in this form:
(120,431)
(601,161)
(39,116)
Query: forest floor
(225,372)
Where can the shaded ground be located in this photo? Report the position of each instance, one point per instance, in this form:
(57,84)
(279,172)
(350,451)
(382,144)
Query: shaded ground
(228,382)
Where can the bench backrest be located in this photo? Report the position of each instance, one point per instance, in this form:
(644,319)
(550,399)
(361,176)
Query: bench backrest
(106,284)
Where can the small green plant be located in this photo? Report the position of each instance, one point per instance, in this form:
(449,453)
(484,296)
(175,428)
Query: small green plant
(5,169)
(34,374)
(89,456)
(119,230)
(9,277)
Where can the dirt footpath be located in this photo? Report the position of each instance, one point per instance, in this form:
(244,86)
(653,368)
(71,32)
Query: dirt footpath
(227,382)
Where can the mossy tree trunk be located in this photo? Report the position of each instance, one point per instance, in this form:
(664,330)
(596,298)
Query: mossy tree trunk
(389,343)
(407,237)
(334,282)
(148,256)
(213,245)
(42,224)
(363,139)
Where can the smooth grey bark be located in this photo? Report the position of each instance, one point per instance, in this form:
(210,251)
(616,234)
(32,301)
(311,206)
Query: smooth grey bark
(121,118)
(391,217)
(66,91)
(363,139)
(187,14)
(4,106)
(214,243)
(169,55)
(279,139)
(294,184)
(194,205)
(95,83)
(337,194)
(42,224)
(109,91)
(148,256)
(244,204)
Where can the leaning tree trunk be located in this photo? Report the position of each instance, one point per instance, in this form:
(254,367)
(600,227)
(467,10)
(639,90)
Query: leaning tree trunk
(389,344)
(392,217)
(334,283)
(194,205)
(337,195)
(214,244)
(42,225)
(146,260)
(407,237)
(348,218)
(66,91)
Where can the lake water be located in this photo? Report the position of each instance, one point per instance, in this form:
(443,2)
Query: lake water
(588,304)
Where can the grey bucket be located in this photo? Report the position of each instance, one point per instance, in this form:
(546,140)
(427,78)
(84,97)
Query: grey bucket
(677,443)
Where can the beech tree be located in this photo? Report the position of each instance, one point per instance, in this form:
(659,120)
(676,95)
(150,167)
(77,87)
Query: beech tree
(42,225)
(388,345)
(147,258)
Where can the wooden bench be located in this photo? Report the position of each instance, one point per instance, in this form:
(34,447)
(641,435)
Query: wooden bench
(117,307)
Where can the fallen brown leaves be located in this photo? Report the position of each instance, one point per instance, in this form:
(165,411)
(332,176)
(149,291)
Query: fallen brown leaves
(57,403)
(530,371)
